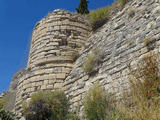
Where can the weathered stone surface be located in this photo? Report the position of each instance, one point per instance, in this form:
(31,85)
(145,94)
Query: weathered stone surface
(57,36)
(121,41)
(50,58)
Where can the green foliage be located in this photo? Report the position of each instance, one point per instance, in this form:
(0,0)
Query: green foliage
(2,102)
(72,116)
(46,105)
(92,61)
(101,13)
(115,114)
(5,115)
(99,17)
(122,3)
(9,101)
(88,65)
(95,103)
(83,7)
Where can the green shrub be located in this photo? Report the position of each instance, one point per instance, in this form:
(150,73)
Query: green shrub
(98,23)
(92,61)
(100,13)
(6,115)
(2,102)
(99,17)
(72,116)
(99,105)
(83,7)
(149,42)
(145,90)
(122,3)
(88,65)
(46,105)
(95,103)
(115,4)
(115,114)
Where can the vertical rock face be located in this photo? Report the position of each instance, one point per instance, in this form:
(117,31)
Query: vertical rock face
(56,42)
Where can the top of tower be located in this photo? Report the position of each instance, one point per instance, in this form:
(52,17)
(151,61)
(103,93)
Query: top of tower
(60,13)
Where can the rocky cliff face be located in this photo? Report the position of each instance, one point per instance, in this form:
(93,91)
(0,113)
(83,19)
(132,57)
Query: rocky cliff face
(61,35)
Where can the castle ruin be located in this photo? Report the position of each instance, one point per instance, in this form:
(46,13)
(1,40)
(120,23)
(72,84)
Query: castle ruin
(56,43)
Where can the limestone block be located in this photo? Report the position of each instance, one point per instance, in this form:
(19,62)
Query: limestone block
(39,83)
(77,98)
(66,70)
(43,87)
(46,82)
(58,85)
(51,76)
(31,89)
(51,81)
(61,76)
(156,10)
(86,77)
(50,87)
(33,84)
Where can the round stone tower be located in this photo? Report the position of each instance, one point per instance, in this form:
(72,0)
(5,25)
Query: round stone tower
(56,42)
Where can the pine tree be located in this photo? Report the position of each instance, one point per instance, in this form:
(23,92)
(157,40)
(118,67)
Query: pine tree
(83,7)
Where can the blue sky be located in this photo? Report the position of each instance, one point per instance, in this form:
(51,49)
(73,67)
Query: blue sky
(17,19)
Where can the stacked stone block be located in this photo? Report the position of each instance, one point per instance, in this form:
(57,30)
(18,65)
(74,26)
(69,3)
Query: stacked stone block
(60,36)
(122,43)
(56,41)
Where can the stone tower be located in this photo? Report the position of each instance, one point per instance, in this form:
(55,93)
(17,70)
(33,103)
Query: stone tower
(56,42)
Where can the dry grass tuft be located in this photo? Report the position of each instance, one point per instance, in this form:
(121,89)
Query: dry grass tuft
(92,62)
(145,90)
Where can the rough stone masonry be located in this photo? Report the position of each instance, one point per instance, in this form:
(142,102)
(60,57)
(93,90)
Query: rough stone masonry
(60,36)
(121,41)
(56,42)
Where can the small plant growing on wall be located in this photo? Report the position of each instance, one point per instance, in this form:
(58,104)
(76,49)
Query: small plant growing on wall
(122,3)
(95,103)
(131,13)
(92,62)
(100,105)
(6,115)
(150,43)
(99,17)
(74,55)
(2,101)
(46,105)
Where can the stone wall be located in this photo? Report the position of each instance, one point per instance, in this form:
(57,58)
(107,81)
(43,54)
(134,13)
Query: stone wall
(121,41)
(11,95)
(62,36)
(56,42)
